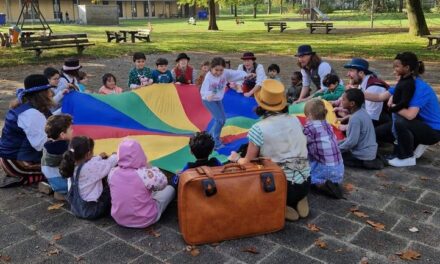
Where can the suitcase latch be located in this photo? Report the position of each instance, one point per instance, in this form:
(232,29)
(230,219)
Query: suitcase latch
(209,187)
(268,182)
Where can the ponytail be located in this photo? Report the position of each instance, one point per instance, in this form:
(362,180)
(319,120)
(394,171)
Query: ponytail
(79,147)
(410,59)
(421,69)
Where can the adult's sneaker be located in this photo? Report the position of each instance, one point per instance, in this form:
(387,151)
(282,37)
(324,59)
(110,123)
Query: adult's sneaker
(418,152)
(396,162)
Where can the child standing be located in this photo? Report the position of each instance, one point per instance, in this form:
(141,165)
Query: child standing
(139,75)
(88,197)
(204,69)
(201,145)
(162,74)
(183,73)
(213,90)
(59,133)
(83,80)
(359,149)
(294,90)
(109,85)
(139,192)
(273,72)
(326,165)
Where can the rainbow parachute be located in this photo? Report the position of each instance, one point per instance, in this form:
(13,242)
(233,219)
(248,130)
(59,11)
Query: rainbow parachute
(162,117)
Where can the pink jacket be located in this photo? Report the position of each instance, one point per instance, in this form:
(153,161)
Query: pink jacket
(131,185)
(105,90)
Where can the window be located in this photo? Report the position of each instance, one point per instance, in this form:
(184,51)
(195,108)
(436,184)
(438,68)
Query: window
(133,9)
(153,9)
(120,10)
(56,9)
(29,13)
(146,9)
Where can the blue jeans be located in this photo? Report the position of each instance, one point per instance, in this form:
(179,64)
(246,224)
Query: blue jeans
(218,114)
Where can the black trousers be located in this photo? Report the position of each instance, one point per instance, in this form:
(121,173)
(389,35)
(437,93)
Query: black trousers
(410,133)
(296,192)
(383,119)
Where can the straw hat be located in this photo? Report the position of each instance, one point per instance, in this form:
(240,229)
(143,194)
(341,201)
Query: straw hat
(271,96)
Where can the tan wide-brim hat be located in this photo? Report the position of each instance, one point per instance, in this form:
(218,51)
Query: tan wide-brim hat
(271,96)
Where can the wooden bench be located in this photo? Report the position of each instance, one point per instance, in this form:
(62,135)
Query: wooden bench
(39,43)
(314,25)
(113,35)
(433,42)
(143,34)
(272,24)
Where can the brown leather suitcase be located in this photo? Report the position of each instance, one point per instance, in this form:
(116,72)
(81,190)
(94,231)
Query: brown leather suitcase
(232,201)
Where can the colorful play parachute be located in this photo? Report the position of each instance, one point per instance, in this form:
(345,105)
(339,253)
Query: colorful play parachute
(161,117)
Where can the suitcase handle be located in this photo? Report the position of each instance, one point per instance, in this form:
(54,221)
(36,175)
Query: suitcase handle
(232,166)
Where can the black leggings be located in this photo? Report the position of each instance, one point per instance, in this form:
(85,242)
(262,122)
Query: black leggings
(296,192)
(410,133)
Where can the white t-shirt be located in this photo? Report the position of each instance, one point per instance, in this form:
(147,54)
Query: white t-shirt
(373,108)
(213,85)
(259,71)
(33,122)
(323,69)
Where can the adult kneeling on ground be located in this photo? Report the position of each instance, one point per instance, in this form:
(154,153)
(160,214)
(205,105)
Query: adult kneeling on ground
(23,134)
(313,70)
(358,72)
(280,137)
(417,126)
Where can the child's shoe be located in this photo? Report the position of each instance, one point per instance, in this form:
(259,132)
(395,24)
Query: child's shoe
(303,207)
(291,214)
(44,187)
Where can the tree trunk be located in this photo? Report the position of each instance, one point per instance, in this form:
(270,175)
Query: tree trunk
(400,6)
(212,17)
(232,9)
(281,7)
(269,7)
(235,10)
(416,18)
(255,10)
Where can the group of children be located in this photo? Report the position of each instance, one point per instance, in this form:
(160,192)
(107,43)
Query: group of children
(137,193)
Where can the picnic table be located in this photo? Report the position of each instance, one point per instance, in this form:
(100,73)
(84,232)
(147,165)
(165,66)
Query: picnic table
(272,24)
(132,34)
(433,42)
(313,25)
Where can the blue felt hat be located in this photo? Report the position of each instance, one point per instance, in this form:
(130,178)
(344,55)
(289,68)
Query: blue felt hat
(358,64)
(304,50)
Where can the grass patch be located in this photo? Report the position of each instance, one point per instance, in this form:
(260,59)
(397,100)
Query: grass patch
(352,37)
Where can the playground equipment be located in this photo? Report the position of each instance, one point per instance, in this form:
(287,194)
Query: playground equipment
(318,15)
(30,7)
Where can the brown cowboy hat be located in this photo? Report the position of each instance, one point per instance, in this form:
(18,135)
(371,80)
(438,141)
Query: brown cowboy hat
(271,96)
(248,56)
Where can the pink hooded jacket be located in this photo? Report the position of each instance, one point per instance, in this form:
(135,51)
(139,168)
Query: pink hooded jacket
(131,185)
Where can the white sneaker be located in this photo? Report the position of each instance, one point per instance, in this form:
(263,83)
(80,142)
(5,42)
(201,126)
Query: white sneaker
(418,152)
(396,162)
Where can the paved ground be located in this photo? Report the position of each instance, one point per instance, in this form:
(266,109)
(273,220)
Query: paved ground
(397,198)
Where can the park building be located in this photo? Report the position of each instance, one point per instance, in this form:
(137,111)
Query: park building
(54,10)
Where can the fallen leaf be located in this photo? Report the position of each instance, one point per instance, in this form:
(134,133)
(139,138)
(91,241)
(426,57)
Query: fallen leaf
(5,258)
(360,214)
(252,250)
(380,174)
(195,252)
(427,212)
(349,187)
(153,232)
(424,178)
(364,260)
(215,244)
(78,259)
(413,229)
(354,209)
(409,255)
(321,244)
(339,250)
(189,248)
(402,188)
(377,226)
(57,237)
(56,206)
(313,227)
(54,251)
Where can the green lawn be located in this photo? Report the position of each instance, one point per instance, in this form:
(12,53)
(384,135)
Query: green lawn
(352,37)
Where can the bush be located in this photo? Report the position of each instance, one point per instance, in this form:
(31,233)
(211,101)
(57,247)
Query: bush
(326,8)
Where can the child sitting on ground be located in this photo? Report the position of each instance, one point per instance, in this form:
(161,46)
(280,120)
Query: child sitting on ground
(109,85)
(139,75)
(333,92)
(59,133)
(162,74)
(201,146)
(326,165)
(88,197)
(359,149)
(293,92)
(139,192)
(83,80)
(204,69)
(53,76)
(273,72)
